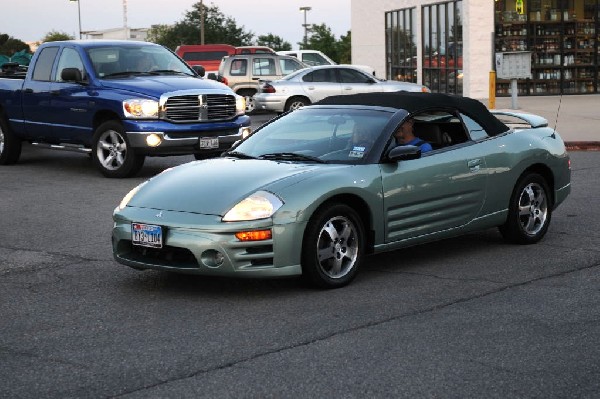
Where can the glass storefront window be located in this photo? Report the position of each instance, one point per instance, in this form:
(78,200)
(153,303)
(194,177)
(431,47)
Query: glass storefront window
(562,36)
(401,50)
(442,47)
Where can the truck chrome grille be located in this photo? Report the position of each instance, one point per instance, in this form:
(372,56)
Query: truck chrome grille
(199,107)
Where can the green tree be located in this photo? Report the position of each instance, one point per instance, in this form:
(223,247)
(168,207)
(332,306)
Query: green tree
(344,49)
(9,45)
(321,38)
(275,42)
(218,28)
(55,36)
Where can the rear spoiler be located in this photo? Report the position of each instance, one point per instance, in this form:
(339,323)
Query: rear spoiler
(531,119)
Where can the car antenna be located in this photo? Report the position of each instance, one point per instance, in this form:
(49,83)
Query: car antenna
(557,113)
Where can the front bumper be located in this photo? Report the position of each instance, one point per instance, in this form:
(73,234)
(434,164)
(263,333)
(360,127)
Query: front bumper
(191,242)
(178,139)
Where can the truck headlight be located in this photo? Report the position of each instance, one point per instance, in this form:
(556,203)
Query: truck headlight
(140,109)
(240,105)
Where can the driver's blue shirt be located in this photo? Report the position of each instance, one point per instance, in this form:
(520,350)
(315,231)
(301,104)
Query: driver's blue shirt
(425,146)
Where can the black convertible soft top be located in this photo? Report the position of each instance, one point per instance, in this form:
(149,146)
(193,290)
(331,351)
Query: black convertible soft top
(415,102)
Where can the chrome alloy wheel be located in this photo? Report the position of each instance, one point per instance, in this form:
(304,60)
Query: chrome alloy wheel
(296,104)
(533,208)
(337,247)
(111,150)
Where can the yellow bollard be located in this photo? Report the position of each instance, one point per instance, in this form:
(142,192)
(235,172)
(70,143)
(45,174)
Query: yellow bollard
(492,104)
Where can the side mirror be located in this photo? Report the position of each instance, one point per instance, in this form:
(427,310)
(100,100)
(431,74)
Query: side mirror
(71,75)
(199,69)
(404,153)
(212,76)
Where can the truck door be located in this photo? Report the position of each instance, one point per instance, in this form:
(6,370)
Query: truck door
(36,95)
(70,102)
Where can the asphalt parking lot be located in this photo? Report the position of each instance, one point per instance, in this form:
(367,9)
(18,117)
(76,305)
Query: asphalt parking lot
(466,317)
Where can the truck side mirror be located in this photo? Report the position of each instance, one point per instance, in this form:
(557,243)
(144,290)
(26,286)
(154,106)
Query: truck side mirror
(71,75)
(199,69)
(212,76)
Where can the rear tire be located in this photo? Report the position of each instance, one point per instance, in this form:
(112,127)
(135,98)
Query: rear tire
(296,102)
(333,247)
(10,145)
(112,154)
(529,212)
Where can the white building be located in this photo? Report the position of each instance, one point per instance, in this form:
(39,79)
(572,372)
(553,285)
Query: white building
(140,34)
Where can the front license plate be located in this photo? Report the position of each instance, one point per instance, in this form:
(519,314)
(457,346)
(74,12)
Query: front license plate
(146,235)
(209,142)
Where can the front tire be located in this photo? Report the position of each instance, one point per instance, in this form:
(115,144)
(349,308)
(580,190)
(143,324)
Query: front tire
(10,145)
(112,153)
(333,247)
(529,212)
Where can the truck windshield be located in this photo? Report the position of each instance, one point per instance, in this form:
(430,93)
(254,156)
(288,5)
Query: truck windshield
(119,61)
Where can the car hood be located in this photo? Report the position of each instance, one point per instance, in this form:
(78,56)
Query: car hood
(214,186)
(155,86)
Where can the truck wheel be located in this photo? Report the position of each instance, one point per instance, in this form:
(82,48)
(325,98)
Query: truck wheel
(250,103)
(10,146)
(112,153)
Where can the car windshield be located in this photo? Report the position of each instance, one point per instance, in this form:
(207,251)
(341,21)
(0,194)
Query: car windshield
(310,134)
(123,61)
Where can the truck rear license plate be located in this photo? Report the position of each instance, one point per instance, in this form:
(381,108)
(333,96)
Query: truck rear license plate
(146,235)
(209,142)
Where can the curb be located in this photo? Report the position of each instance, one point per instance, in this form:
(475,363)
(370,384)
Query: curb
(583,145)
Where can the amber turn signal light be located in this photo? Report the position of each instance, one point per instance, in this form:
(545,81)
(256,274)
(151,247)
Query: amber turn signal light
(255,235)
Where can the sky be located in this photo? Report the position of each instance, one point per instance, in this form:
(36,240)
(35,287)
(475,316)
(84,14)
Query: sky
(31,20)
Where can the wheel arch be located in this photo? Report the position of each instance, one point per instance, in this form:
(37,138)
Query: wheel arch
(360,206)
(104,116)
(297,96)
(246,91)
(546,173)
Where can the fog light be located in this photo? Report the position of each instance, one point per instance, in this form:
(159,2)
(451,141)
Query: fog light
(153,140)
(212,258)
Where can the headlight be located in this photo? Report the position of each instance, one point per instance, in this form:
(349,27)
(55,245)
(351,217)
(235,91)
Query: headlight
(129,196)
(142,109)
(240,105)
(259,205)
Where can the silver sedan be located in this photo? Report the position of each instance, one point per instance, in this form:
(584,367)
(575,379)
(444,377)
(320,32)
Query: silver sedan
(310,85)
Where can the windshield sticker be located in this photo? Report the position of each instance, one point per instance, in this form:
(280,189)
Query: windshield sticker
(357,152)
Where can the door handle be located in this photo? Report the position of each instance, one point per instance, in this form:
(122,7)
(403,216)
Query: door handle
(28,91)
(474,165)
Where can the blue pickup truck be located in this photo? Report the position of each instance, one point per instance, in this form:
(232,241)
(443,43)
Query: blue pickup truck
(118,101)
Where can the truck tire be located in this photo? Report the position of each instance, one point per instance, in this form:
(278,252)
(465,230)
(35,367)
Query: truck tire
(10,145)
(112,153)
(250,103)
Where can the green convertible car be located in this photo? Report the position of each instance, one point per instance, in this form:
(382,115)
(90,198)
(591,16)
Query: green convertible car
(314,191)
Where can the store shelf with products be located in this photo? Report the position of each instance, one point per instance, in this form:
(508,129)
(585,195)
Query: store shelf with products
(503,87)
(565,53)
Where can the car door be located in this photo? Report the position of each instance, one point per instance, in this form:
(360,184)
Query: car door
(321,83)
(442,190)
(37,113)
(354,81)
(71,103)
